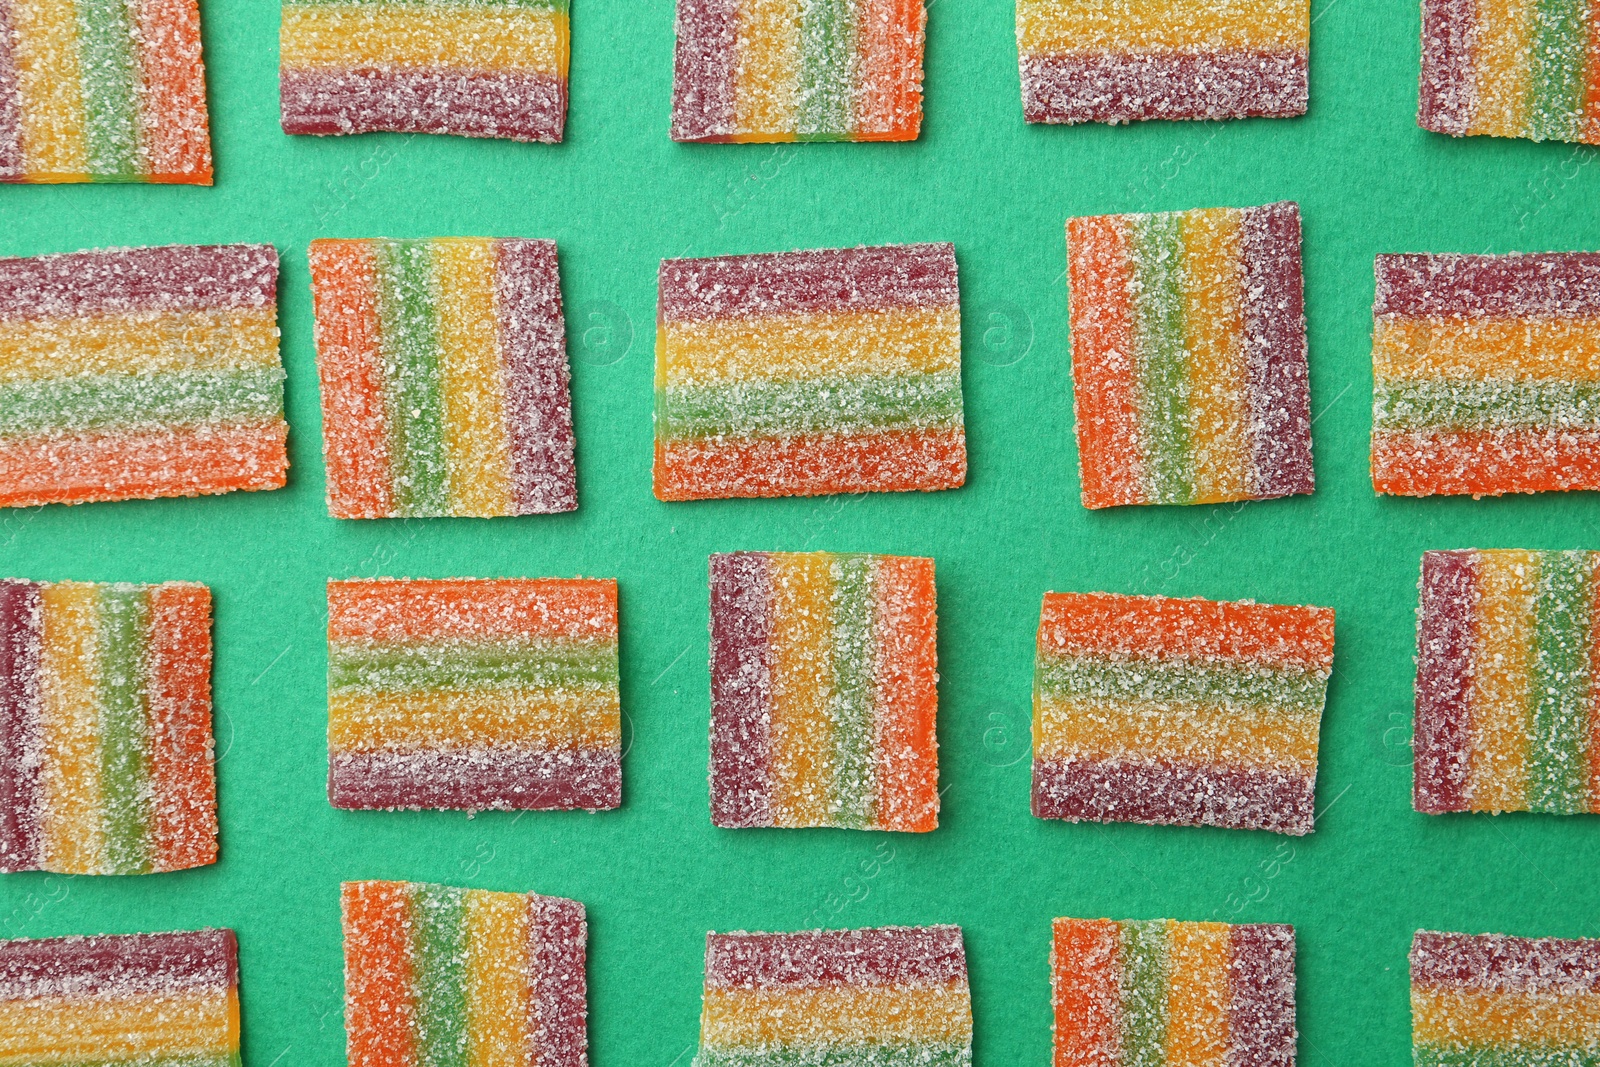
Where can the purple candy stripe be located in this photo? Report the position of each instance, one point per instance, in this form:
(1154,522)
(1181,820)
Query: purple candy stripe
(1497,963)
(741,689)
(119,964)
(11,168)
(1261,1030)
(1448,90)
(1131,88)
(21,630)
(891,955)
(703,75)
(1442,733)
(1275,351)
(476,779)
(1556,284)
(1111,791)
(533,341)
(509,104)
(117,281)
(560,992)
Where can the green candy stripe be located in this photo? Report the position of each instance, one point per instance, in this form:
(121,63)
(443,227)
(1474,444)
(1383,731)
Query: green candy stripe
(108,61)
(854,659)
(827,90)
(837,1056)
(439,980)
(849,405)
(423,668)
(122,625)
(556,6)
(1558,705)
(1143,949)
(1158,314)
(1505,1056)
(1484,405)
(1556,83)
(1284,690)
(98,402)
(413,378)
(176,1059)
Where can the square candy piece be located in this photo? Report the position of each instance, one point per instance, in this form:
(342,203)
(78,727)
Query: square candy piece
(1092,61)
(140,372)
(1189,371)
(103,92)
(1506,70)
(798,70)
(474,693)
(135,999)
(476,69)
(892,995)
(445,387)
(1485,374)
(106,757)
(824,677)
(1161,993)
(1508,675)
(1180,712)
(1510,1001)
(436,976)
(798,373)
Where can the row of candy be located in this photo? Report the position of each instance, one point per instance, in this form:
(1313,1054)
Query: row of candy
(437,976)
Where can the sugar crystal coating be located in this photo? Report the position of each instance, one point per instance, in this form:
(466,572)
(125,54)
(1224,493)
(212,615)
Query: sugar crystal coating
(436,976)
(824,679)
(1187,712)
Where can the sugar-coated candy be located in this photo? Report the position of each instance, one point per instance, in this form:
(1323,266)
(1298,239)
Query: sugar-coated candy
(895,996)
(106,756)
(475,68)
(798,373)
(798,70)
(140,372)
(469,693)
(144,1000)
(1188,712)
(1486,374)
(1511,69)
(1162,993)
(102,92)
(436,976)
(1481,999)
(824,676)
(445,387)
(1508,654)
(1099,61)
(1189,356)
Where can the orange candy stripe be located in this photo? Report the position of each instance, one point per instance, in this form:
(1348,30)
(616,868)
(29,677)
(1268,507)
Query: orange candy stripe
(1104,391)
(1083,965)
(184,827)
(579,608)
(1485,463)
(811,465)
(377,965)
(1277,635)
(905,750)
(1591,122)
(344,286)
(890,53)
(173,121)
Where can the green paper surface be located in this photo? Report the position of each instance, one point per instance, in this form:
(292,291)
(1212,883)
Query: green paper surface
(619,196)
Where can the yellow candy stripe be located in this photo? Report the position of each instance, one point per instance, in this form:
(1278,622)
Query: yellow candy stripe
(832,1015)
(74,836)
(1502,51)
(802,676)
(1207,735)
(476,439)
(453,719)
(1457,1018)
(147,342)
(458,38)
(1197,994)
(498,968)
(45,35)
(1497,778)
(1066,27)
(99,1029)
(1505,349)
(766,96)
(1214,332)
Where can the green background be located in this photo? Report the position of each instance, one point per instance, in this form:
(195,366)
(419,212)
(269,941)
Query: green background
(618,196)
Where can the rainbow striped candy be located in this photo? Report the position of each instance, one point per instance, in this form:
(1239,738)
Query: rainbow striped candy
(1511,70)
(101,92)
(824,676)
(1092,61)
(893,995)
(798,373)
(444,378)
(105,728)
(1508,682)
(436,976)
(140,372)
(798,70)
(1189,356)
(1181,712)
(1509,1001)
(1486,374)
(145,1000)
(1161,992)
(474,693)
(475,68)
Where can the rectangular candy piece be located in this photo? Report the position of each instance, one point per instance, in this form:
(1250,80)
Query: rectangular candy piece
(145,1000)
(895,996)
(445,387)
(1093,61)
(1510,1001)
(824,676)
(102,92)
(106,756)
(475,68)
(1514,69)
(1179,712)
(469,693)
(798,70)
(138,373)
(1189,374)
(1486,374)
(1508,682)
(801,373)
(1162,993)
(436,976)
